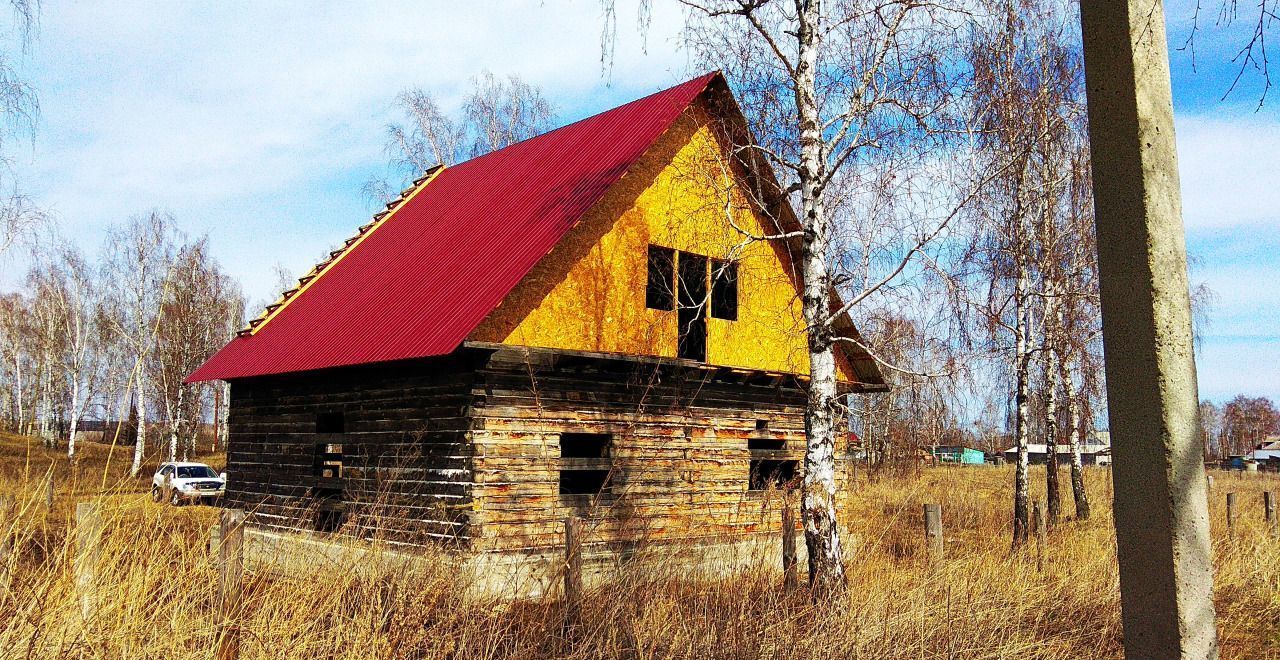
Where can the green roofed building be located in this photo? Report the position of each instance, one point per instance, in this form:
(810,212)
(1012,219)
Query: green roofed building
(959,455)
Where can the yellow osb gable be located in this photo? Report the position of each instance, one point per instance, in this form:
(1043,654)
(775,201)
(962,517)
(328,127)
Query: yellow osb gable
(588,294)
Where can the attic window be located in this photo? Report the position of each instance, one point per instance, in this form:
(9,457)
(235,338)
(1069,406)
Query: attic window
(659,293)
(724,290)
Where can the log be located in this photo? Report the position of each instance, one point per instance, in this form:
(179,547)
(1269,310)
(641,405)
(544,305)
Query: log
(790,578)
(88,543)
(231,576)
(1269,511)
(572,572)
(933,531)
(1231,515)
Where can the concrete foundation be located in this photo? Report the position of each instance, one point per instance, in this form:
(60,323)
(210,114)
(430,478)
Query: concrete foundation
(505,575)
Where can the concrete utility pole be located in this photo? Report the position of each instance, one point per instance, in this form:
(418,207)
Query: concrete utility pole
(1161,511)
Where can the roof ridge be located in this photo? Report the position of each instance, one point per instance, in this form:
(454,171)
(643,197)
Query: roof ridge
(706,78)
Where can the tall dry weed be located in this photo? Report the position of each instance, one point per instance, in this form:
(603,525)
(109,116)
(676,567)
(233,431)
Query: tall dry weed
(157,595)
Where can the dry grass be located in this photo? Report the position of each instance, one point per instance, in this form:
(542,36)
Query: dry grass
(157,588)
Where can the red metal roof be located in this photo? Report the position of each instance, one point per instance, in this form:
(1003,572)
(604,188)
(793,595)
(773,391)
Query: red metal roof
(434,268)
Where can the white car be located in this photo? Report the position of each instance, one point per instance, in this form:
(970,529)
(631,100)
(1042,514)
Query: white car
(190,482)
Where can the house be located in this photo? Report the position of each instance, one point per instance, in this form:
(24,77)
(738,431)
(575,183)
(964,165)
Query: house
(1240,462)
(1091,453)
(566,327)
(1267,451)
(959,456)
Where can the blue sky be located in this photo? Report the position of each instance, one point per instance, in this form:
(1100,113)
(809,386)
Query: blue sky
(257,123)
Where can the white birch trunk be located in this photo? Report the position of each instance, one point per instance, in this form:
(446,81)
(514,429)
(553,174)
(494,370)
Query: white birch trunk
(1073,444)
(220,428)
(818,508)
(18,388)
(140,434)
(174,422)
(1021,514)
(45,404)
(75,419)
(1053,502)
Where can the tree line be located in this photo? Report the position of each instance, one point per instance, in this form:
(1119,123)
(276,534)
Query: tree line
(113,337)
(1238,426)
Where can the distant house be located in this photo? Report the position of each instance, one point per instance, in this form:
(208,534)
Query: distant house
(1241,462)
(1268,450)
(1090,454)
(959,455)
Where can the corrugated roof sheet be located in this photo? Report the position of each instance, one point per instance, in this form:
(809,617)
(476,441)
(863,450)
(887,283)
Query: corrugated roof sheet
(433,269)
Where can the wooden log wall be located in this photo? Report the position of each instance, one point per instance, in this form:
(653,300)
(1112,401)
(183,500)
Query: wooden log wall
(467,449)
(406,467)
(680,454)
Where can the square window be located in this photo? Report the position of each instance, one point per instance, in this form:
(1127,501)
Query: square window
(765,443)
(584,482)
(331,422)
(659,293)
(770,473)
(724,290)
(584,445)
(585,463)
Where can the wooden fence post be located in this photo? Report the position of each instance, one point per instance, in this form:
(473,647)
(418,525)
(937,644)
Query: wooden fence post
(8,521)
(1231,515)
(933,530)
(231,570)
(572,571)
(88,537)
(48,493)
(789,576)
(1269,511)
(1038,525)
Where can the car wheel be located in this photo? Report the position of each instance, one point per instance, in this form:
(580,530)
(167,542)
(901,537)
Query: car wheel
(175,499)
(156,495)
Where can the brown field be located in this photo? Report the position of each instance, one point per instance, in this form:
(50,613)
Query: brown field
(157,586)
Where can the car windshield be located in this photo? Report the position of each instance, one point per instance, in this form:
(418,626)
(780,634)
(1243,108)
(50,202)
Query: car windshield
(196,472)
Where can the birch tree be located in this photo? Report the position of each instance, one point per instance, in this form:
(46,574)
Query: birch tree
(1025,66)
(136,265)
(495,113)
(66,298)
(19,110)
(201,306)
(18,351)
(833,92)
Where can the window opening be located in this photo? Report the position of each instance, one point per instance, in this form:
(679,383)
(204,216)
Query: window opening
(692,307)
(331,422)
(659,293)
(724,290)
(584,445)
(585,463)
(769,473)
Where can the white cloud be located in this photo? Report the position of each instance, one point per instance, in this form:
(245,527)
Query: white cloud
(257,123)
(1227,367)
(1228,166)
